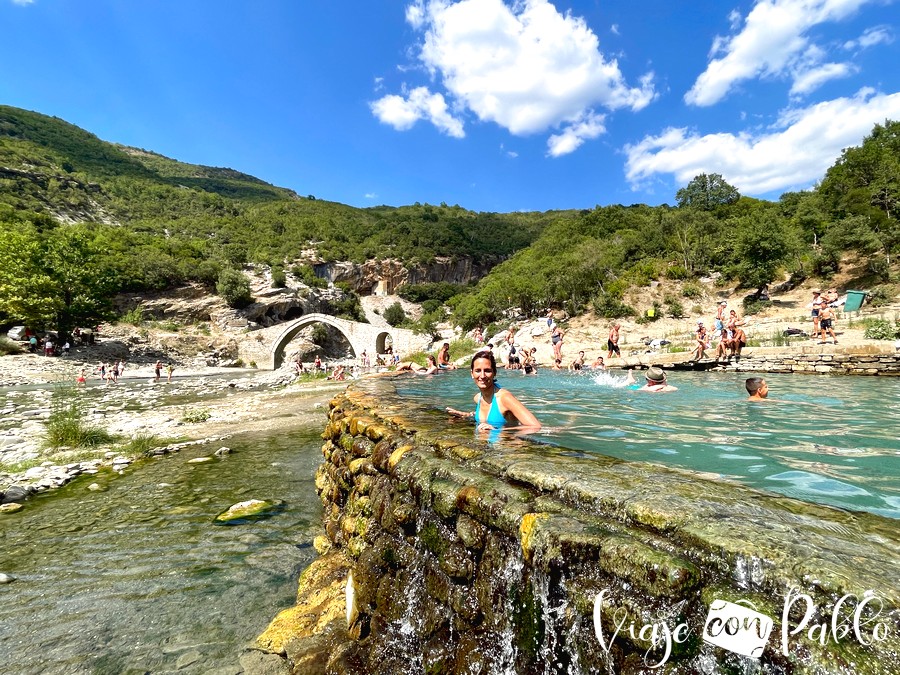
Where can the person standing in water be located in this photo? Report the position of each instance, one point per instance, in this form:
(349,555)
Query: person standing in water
(756,388)
(495,407)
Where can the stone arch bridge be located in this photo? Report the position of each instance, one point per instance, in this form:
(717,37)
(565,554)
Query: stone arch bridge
(266,347)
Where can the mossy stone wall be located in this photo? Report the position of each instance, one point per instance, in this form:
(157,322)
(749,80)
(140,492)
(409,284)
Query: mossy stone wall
(462,557)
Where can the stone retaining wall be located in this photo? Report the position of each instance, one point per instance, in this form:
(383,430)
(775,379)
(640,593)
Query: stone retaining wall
(835,364)
(447,555)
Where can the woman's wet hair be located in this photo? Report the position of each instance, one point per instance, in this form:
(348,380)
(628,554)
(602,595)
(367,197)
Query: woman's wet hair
(484,354)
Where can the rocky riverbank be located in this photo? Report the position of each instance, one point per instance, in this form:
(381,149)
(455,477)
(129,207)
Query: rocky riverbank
(142,416)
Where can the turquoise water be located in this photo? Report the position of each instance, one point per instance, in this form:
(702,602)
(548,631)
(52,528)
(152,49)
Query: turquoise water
(829,440)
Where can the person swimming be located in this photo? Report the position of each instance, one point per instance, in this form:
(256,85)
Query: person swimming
(495,407)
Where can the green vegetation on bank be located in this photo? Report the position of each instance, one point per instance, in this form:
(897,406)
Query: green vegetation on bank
(82,219)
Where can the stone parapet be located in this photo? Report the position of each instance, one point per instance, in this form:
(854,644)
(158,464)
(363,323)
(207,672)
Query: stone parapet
(456,556)
(836,364)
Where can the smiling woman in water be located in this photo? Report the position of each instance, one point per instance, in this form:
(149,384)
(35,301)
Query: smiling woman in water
(495,407)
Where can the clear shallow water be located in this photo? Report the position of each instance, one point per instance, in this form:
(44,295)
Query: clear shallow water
(829,440)
(137,579)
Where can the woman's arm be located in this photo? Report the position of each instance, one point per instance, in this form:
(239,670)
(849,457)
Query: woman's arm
(510,404)
(460,413)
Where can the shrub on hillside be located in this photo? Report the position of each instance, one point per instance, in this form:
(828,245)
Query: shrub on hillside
(677,273)
(279,279)
(880,296)
(752,306)
(395,315)
(676,309)
(134,316)
(234,288)
(691,290)
(306,275)
(608,306)
(881,329)
(440,291)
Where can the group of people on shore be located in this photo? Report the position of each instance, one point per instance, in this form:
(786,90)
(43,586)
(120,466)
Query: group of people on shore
(728,329)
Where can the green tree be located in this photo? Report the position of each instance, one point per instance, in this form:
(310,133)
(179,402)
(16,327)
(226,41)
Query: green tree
(865,182)
(57,277)
(763,243)
(707,192)
(234,288)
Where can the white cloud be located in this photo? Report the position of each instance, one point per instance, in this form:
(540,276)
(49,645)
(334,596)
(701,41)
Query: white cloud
(870,38)
(809,80)
(590,126)
(23,3)
(371,195)
(772,41)
(794,153)
(614,29)
(415,14)
(526,67)
(402,113)
(508,153)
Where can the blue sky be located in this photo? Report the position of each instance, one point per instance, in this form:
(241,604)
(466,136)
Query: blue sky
(492,105)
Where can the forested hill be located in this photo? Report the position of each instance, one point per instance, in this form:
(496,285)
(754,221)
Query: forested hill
(54,172)
(81,219)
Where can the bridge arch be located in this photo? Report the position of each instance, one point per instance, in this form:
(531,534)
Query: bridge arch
(291,329)
(361,336)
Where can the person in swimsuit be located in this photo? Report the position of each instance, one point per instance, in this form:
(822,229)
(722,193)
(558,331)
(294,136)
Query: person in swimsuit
(656,381)
(578,363)
(818,302)
(826,323)
(700,349)
(720,315)
(495,407)
(556,338)
(443,357)
(612,343)
(157,370)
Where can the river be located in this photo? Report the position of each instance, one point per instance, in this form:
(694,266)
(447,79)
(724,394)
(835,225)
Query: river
(135,577)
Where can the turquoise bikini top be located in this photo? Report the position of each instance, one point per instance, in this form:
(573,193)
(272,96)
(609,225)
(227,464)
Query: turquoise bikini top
(495,418)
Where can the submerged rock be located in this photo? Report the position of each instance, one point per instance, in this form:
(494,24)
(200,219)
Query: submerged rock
(252,509)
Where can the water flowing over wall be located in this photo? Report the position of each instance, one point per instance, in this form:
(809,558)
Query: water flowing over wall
(444,554)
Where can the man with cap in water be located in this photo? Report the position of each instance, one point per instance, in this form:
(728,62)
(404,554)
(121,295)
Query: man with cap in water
(656,381)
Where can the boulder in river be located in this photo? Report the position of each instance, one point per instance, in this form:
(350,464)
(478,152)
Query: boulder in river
(252,509)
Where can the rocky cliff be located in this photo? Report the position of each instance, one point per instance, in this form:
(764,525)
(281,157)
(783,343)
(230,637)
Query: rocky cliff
(384,277)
